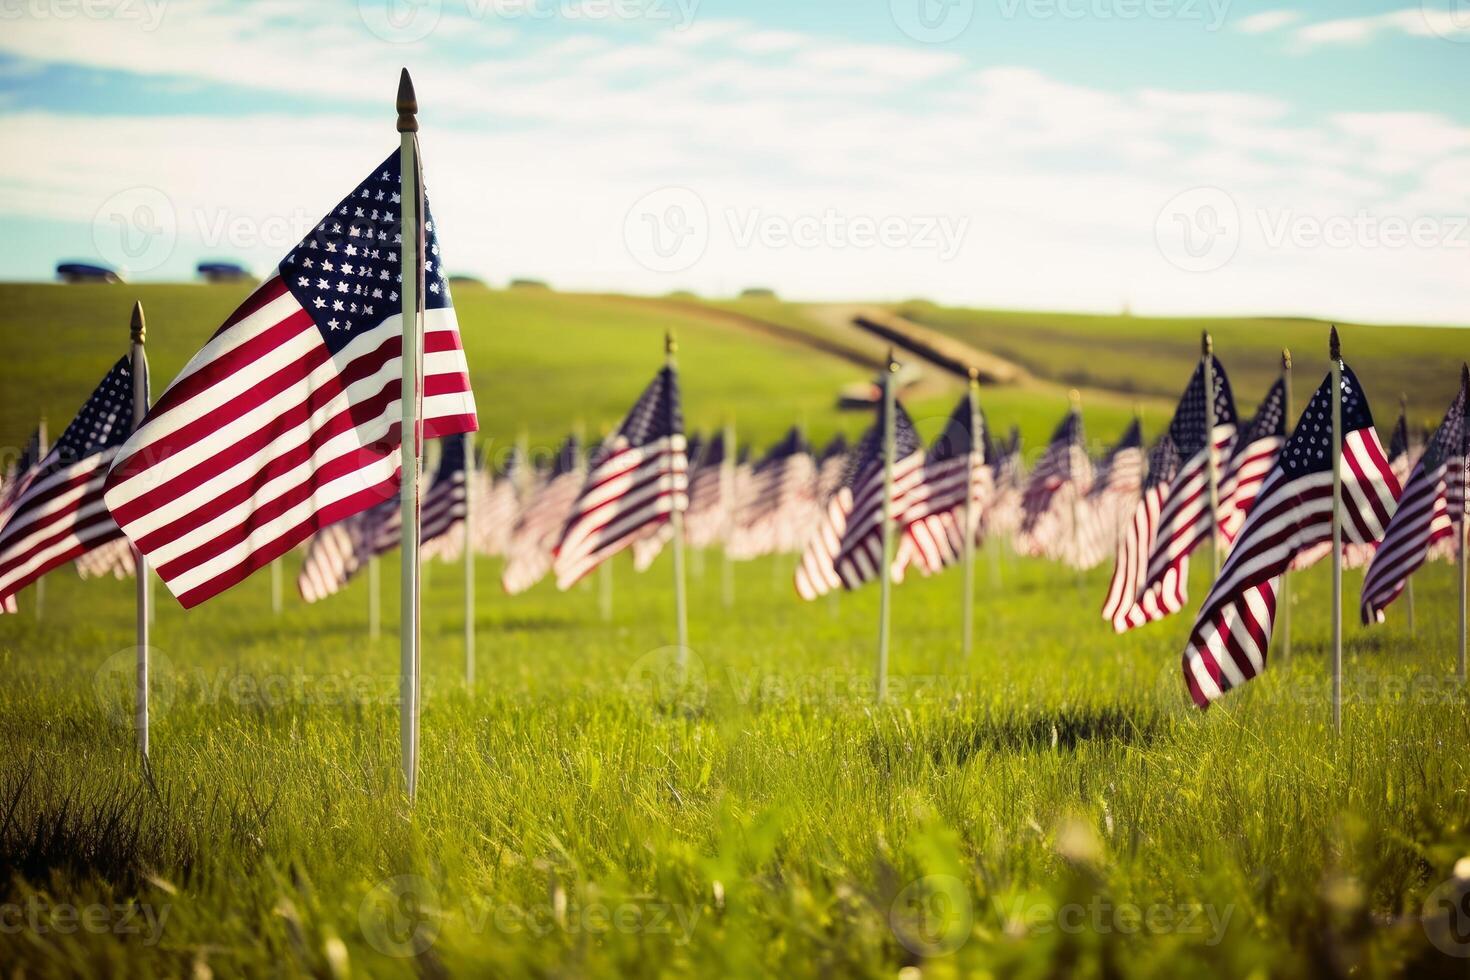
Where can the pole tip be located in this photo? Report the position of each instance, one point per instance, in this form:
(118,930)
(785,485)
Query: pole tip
(1206,343)
(1286,358)
(892,364)
(1075,397)
(1465,375)
(974,375)
(137,328)
(408,105)
(671,346)
(1334,344)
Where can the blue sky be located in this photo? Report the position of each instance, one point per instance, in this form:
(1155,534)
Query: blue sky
(1174,156)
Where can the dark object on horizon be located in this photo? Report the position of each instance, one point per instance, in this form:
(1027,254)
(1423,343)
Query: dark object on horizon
(468,281)
(863,395)
(224,272)
(84,272)
(528,284)
(757,292)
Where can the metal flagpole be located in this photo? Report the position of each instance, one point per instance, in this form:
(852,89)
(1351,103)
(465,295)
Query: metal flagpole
(727,498)
(41,449)
(276,586)
(1336,352)
(1464,585)
(469,561)
(676,517)
(1076,395)
(138,332)
(1285,602)
(885,571)
(972,515)
(1409,583)
(1207,360)
(411,271)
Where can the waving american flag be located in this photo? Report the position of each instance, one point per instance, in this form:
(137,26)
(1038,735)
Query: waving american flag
(1255,453)
(1051,506)
(288,420)
(1114,494)
(955,468)
(1430,511)
(1293,512)
(1131,602)
(638,479)
(55,511)
(773,517)
(529,553)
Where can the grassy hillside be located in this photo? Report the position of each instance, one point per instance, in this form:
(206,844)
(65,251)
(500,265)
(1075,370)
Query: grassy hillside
(540,360)
(1153,356)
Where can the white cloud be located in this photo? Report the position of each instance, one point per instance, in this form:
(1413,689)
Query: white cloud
(536,151)
(1418,22)
(1268,21)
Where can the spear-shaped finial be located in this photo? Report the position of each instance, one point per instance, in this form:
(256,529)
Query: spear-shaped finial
(974,376)
(1206,344)
(1334,345)
(1075,397)
(671,347)
(1286,358)
(408,105)
(1404,403)
(1465,375)
(137,327)
(892,364)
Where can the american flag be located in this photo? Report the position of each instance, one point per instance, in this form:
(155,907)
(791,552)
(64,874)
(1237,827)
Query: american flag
(955,468)
(496,505)
(1185,520)
(1129,604)
(841,544)
(1002,518)
(1051,506)
(772,518)
(442,508)
(288,420)
(1425,516)
(859,555)
(115,559)
(1293,511)
(638,478)
(831,467)
(56,512)
(710,495)
(1114,494)
(339,552)
(533,540)
(1255,453)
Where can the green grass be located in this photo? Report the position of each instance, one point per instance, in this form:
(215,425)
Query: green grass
(765,819)
(1153,356)
(582,814)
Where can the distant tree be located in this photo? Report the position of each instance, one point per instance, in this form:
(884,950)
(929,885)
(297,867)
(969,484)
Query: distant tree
(528,284)
(757,292)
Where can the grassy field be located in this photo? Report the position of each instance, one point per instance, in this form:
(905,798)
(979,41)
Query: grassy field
(1049,807)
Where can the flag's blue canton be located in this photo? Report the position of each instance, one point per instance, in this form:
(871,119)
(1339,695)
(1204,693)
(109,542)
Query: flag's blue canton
(1399,444)
(567,457)
(104,422)
(786,448)
(1270,419)
(451,456)
(1449,439)
(1188,427)
(1309,450)
(345,273)
(955,440)
(869,451)
(837,447)
(657,414)
(1163,462)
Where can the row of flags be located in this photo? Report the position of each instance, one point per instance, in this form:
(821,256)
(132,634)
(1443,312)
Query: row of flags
(285,431)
